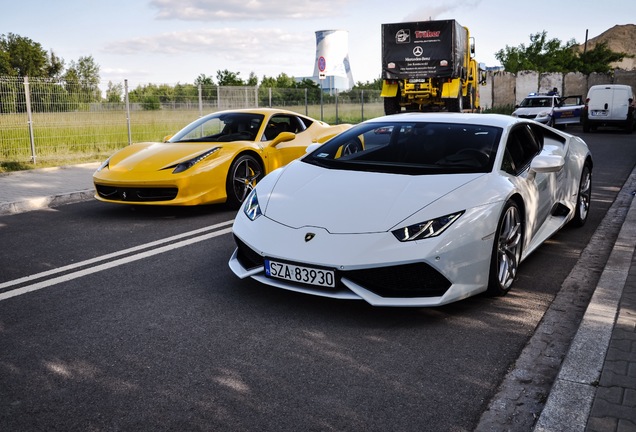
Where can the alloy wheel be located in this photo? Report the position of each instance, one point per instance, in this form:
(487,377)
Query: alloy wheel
(246,174)
(509,247)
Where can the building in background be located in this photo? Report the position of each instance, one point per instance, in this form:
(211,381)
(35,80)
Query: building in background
(332,70)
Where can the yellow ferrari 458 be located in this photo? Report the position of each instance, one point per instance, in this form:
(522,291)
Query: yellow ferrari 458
(215,159)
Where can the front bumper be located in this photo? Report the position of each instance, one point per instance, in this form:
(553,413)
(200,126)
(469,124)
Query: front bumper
(374,267)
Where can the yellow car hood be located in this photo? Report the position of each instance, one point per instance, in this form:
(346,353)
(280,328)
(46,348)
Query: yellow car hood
(151,157)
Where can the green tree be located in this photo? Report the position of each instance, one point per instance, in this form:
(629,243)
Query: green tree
(20,56)
(82,78)
(188,93)
(5,63)
(599,59)
(86,71)
(550,55)
(369,85)
(268,82)
(252,81)
(227,78)
(313,88)
(55,66)
(114,92)
(285,81)
(152,96)
(542,55)
(151,103)
(203,80)
(208,88)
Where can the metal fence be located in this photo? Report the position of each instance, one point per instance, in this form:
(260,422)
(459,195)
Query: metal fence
(44,119)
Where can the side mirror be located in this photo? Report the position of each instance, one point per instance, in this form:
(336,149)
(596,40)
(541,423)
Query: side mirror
(483,77)
(167,137)
(547,163)
(282,137)
(312,147)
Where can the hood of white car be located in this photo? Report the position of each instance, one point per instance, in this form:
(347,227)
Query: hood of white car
(348,202)
(532,111)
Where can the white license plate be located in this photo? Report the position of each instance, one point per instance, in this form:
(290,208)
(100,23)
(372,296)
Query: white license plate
(599,113)
(300,274)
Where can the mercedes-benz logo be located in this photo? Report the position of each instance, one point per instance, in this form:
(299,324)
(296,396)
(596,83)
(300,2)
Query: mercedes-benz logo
(418,51)
(309,236)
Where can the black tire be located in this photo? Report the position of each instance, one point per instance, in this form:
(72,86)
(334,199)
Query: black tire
(469,100)
(242,177)
(586,125)
(629,124)
(455,105)
(392,105)
(583,198)
(506,250)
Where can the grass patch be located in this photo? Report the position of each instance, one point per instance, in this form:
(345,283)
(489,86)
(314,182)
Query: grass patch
(503,109)
(52,161)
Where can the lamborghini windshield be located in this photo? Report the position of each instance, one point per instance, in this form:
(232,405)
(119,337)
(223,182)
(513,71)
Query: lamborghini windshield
(221,127)
(411,148)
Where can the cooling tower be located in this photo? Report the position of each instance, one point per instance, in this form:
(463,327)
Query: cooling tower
(332,60)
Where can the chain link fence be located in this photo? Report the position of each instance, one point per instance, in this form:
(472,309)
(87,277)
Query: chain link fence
(44,119)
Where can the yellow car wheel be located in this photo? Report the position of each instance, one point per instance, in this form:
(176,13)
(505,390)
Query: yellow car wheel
(244,173)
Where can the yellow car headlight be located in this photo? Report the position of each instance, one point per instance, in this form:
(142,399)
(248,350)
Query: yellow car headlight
(183,166)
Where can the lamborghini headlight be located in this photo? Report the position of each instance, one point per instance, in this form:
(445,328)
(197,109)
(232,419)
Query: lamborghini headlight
(181,167)
(251,208)
(427,229)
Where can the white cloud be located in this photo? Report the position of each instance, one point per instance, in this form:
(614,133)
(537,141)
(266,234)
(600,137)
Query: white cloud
(237,43)
(263,51)
(428,12)
(246,10)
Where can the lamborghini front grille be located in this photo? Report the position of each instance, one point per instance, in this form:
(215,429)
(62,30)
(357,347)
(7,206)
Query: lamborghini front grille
(403,281)
(246,256)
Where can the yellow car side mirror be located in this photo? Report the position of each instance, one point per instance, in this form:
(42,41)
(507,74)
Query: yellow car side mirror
(283,137)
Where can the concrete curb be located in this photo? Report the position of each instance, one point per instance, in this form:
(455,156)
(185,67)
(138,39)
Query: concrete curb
(521,397)
(39,203)
(572,394)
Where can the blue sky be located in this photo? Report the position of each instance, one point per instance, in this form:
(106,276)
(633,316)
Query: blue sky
(174,41)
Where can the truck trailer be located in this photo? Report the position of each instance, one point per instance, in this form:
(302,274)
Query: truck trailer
(429,66)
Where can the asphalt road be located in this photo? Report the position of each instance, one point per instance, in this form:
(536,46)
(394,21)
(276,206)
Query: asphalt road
(129,319)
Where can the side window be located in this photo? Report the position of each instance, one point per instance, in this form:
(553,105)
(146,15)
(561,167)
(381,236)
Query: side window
(521,147)
(305,122)
(296,125)
(276,125)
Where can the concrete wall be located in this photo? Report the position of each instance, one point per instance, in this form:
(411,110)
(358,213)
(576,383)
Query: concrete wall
(504,89)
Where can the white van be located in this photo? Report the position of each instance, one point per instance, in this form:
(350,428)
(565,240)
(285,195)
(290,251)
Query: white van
(609,105)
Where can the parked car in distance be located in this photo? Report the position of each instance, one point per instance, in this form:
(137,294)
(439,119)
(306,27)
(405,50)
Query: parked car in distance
(551,109)
(609,105)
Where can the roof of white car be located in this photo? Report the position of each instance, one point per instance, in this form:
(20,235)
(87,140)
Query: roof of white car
(498,120)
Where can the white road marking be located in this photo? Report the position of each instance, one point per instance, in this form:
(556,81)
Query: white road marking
(111,264)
